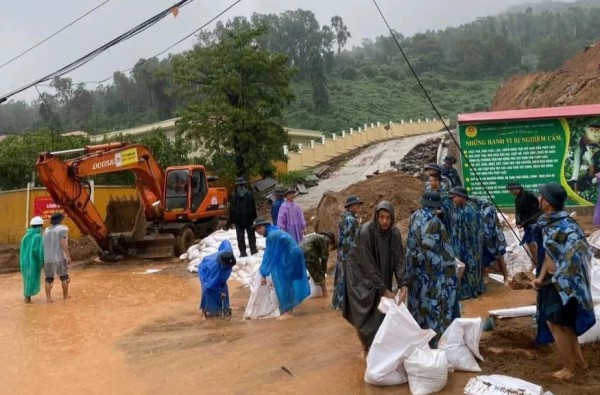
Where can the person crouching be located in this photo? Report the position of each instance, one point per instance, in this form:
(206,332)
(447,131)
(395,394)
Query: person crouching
(213,272)
(316,250)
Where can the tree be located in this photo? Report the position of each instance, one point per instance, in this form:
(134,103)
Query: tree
(341,31)
(18,155)
(319,82)
(236,91)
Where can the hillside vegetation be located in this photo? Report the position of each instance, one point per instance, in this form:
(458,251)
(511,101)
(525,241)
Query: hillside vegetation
(337,88)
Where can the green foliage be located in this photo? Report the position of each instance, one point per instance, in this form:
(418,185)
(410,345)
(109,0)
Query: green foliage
(368,83)
(18,155)
(290,178)
(236,91)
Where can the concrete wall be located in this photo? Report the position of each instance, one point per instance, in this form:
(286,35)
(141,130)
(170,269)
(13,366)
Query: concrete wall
(16,215)
(346,141)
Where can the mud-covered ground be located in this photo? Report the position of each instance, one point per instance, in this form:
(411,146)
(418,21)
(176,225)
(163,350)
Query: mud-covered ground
(129,331)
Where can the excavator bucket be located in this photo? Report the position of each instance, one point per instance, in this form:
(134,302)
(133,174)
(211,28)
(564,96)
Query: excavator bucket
(128,231)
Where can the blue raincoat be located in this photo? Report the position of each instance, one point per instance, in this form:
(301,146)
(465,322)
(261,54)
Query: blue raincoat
(275,210)
(213,278)
(284,262)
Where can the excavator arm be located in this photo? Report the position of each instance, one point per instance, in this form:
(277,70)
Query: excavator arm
(67,183)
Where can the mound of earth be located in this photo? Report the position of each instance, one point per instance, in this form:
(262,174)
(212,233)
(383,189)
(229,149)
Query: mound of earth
(576,82)
(509,349)
(402,190)
(82,249)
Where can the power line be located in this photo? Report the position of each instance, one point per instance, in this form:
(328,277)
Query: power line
(87,58)
(172,45)
(53,34)
(414,73)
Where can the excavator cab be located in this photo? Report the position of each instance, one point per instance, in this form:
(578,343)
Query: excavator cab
(185,191)
(176,199)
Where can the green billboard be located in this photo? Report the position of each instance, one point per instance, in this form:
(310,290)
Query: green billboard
(532,152)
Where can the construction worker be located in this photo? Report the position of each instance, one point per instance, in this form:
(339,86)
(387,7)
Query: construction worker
(242,212)
(348,228)
(450,172)
(56,255)
(316,248)
(31,258)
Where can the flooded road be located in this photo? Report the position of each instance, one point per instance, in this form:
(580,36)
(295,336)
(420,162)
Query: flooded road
(129,332)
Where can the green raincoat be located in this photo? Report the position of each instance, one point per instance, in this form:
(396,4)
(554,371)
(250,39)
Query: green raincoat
(32,261)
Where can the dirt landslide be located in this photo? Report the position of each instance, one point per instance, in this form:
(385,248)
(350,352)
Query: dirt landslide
(402,190)
(576,82)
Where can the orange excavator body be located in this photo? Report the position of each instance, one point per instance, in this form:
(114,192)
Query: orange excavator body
(175,205)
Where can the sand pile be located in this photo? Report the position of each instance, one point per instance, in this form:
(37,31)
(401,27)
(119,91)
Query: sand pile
(403,191)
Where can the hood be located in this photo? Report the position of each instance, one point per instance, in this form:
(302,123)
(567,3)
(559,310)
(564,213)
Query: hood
(387,206)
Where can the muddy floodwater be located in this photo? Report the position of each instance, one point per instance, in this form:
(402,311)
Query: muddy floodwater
(126,331)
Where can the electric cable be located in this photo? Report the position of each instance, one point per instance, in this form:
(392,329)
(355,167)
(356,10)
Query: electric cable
(462,153)
(53,34)
(88,57)
(172,45)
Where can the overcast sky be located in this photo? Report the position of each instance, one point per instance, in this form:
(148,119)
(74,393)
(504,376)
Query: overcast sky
(25,22)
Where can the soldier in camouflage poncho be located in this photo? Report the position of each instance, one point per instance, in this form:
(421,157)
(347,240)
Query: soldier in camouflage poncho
(431,268)
(316,249)
(347,233)
(434,168)
(494,241)
(443,212)
(467,242)
(565,302)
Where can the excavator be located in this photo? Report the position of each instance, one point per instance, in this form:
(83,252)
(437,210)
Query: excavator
(174,207)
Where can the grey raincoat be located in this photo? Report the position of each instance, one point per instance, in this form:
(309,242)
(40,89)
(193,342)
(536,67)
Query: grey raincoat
(373,260)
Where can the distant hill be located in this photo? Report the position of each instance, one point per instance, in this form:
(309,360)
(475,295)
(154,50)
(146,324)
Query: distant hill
(552,6)
(575,82)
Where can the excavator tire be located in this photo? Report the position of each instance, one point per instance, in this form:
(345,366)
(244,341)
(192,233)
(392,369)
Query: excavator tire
(184,241)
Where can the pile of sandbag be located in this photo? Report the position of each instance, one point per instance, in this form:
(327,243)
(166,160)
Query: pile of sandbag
(400,352)
(245,266)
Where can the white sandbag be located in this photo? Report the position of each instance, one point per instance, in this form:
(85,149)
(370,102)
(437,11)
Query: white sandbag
(517,260)
(183,257)
(193,265)
(315,290)
(263,300)
(497,384)
(193,247)
(594,239)
(524,311)
(461,343)
(427,371)
(592,335)
(398,336)
(595,283)
(193,254)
